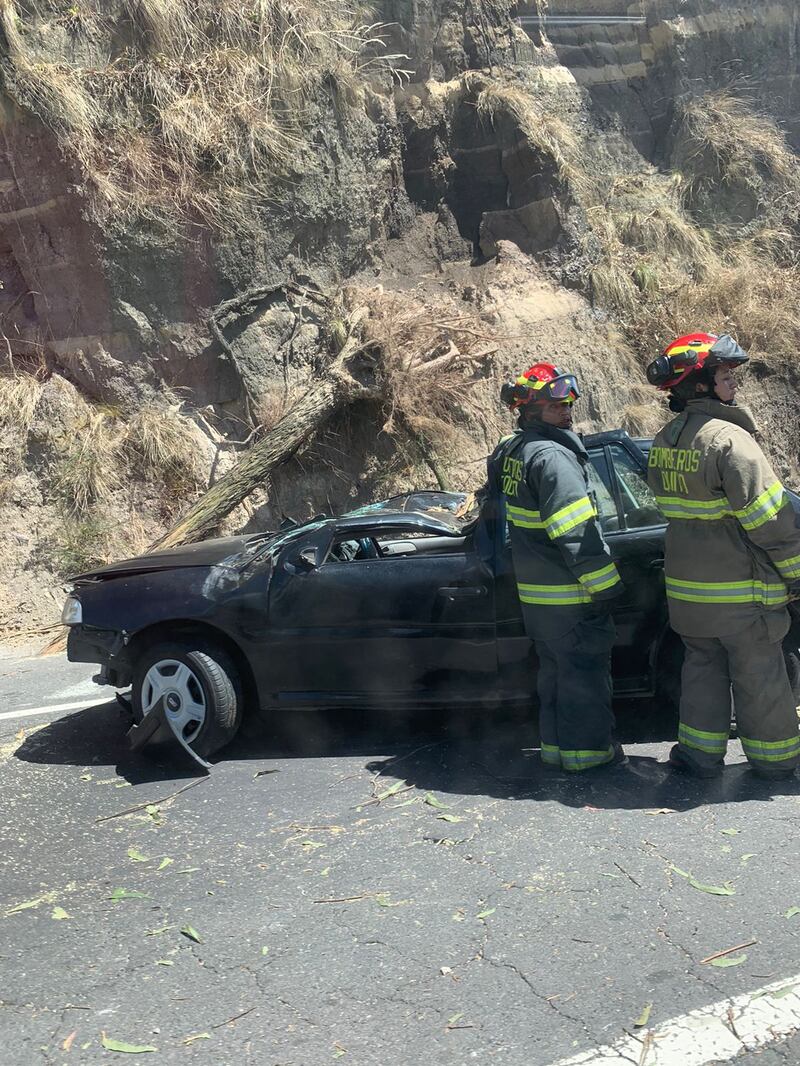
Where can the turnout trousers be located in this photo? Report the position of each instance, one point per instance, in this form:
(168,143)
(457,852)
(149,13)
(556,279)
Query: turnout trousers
(574,685)
(750,663)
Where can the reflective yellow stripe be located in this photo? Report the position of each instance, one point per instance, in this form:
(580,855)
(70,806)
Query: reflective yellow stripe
(584,760)
(769,595)
(551,754)
(789,568)
(553,595)
(711,743)
(771,750)
(600,580)
(522,517)
(765,507)
(569,517)
(702,510)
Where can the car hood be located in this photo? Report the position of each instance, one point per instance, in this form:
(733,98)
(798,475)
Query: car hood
(204,553)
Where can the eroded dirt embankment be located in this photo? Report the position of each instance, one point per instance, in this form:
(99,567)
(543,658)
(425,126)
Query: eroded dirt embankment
(577,191)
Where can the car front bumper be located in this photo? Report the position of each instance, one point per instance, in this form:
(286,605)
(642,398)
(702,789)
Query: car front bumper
(87,644)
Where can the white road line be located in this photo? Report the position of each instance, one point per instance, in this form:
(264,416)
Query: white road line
(708,1035)
(27,711)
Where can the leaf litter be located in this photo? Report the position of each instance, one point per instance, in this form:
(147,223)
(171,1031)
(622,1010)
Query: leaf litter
(127,893)
(725,889)
(644,1017)
(110,1044)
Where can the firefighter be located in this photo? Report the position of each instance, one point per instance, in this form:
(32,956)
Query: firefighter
(732,559)
(563,569)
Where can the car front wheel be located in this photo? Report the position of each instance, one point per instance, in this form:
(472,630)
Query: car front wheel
(198,688)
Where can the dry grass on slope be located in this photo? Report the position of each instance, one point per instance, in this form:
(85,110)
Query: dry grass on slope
(543,130)
(161,447)
(203,111)
(664,272)
(723,141)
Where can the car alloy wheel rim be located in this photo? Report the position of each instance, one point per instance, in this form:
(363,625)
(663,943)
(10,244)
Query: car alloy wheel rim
(182,694)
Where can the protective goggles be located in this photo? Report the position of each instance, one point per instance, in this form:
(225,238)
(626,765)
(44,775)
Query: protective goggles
(563,389)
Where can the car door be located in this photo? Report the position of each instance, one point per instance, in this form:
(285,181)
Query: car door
(407,616)
(634,529)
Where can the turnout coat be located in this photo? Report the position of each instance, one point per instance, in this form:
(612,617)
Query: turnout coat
(732,544)
(562,564)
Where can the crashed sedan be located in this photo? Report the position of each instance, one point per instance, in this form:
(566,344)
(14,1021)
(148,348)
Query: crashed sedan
(391,605)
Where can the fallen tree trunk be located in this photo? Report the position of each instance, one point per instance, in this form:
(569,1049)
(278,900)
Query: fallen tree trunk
(326,395)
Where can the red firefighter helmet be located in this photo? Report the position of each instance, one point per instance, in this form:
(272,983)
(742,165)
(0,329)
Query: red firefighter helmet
(692,353)
(542,383)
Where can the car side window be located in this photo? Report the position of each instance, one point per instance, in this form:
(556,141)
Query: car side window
(638,502)
(600,485)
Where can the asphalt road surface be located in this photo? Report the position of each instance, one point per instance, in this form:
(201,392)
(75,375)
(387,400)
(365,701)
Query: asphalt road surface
(379,891)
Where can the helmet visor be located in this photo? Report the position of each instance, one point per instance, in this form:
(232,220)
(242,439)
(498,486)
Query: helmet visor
(726,352)
(563,389)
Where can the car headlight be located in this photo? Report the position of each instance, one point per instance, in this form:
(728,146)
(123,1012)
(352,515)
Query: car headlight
(72,615)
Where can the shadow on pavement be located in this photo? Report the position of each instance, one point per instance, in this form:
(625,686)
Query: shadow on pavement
(95,736)
(466,753)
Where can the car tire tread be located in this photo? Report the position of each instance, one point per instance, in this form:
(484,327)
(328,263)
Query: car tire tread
(218,675)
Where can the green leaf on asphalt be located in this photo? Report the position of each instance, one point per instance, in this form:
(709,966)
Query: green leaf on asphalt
(265,951)
(154,811)
(432,801)
(311,845)
(786,991)
(405,803)
(188,870)
(157,932)
(730,832)
(449,818)
(730,960)
(165,863)
(126,893)
(59,914)
(644,1017)
(726,889)
(713,890)
(192,934)
(455,1018)
(792,912)
(485,914)
(384,900)
(391,790)
(750,855)
(136,855)
(119,1045)
(164,962)
(26,906)
(197,1036)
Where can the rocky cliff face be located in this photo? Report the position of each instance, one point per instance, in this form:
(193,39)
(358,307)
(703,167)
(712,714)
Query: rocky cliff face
(566,184)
